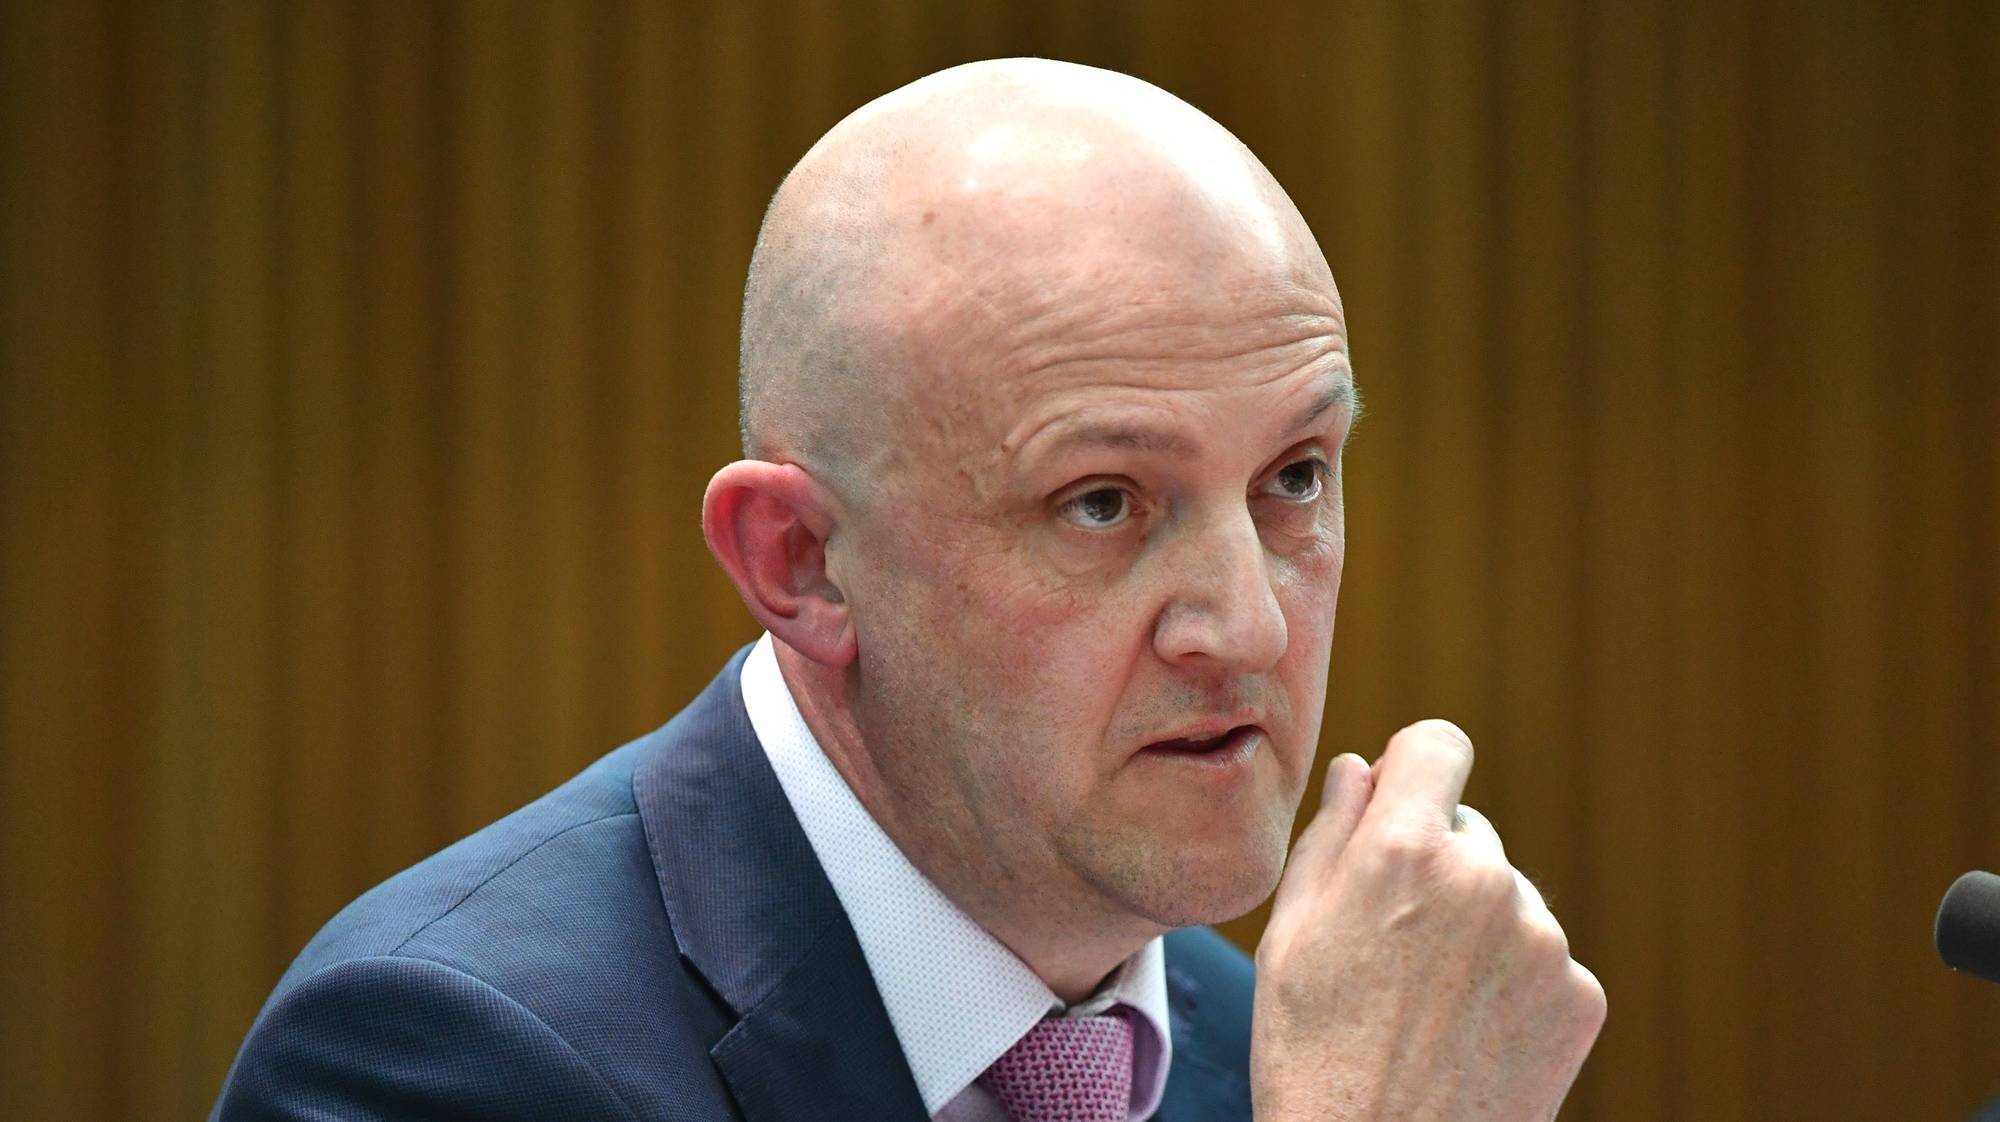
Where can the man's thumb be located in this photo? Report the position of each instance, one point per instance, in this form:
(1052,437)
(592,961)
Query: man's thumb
(1348,787)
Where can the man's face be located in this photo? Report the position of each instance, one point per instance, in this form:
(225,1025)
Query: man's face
(1094,592)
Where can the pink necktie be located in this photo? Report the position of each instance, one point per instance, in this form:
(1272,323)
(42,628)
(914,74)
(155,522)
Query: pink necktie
(1067,1069)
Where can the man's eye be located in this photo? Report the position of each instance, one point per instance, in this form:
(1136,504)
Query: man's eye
(1300,482)
(1098,510)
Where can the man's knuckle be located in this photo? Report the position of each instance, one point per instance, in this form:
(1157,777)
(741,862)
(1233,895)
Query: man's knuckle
(1405,845)
(1470,818)
(1488,883)
(1587,996)
(1548,940)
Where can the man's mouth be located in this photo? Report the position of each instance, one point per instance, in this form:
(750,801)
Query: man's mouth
(1227,744)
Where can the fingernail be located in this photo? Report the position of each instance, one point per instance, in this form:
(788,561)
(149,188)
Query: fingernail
(1439,724)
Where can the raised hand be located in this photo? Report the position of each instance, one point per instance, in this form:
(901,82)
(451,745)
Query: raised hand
(1408,971)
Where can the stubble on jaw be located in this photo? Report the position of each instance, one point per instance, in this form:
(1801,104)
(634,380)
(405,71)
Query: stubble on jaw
(1172,884)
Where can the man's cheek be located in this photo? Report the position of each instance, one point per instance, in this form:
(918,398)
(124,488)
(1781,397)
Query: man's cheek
(941,582)
(998,582)
(1308,583)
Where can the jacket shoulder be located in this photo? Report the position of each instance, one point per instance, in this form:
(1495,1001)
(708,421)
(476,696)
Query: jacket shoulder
(381,920)
(390,1037)
(525,971)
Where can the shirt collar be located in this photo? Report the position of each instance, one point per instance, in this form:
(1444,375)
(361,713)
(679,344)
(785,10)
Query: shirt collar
(956,996)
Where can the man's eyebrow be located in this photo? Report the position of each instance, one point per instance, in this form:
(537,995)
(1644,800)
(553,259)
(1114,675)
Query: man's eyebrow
(1131,438)
(1342,392)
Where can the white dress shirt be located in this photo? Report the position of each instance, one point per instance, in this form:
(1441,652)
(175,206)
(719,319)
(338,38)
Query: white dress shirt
(956,996)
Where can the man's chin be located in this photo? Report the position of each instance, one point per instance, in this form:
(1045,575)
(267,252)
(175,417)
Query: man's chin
(1208,889)
(1225,902)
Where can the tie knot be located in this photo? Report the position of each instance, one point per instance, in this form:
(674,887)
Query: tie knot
(1067,1069)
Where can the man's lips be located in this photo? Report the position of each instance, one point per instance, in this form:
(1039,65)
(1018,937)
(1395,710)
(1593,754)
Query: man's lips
(1222,742)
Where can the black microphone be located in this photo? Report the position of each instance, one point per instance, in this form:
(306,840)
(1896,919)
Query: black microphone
(1968,925)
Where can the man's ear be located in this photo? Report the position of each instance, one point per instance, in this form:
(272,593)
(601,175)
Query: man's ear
(768,525)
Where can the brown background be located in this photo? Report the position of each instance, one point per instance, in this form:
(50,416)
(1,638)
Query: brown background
(364,363)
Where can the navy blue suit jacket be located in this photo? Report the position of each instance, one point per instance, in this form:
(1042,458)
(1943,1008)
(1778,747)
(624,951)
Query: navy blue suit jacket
(652,940)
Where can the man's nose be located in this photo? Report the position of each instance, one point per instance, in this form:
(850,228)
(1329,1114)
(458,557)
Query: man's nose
(1223,609)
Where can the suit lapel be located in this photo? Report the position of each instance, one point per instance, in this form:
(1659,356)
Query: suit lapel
(1198,1088)
(754,914)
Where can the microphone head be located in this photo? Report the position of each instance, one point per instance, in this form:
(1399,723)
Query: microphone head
(1968,925)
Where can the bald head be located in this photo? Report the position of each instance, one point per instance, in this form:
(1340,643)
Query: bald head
(1015,196)
(1045,385)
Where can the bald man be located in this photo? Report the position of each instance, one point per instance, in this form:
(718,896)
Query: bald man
(1044,390)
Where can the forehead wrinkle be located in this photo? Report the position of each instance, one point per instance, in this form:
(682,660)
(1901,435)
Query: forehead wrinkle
(1093,297)
(1320,347)
(1066,433)
(1066,428)
(965,359)
(1187,338)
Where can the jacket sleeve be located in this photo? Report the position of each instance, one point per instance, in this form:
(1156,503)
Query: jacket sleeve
(405,1038)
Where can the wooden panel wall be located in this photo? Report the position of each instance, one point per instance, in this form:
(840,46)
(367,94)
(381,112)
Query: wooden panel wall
(363,364)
